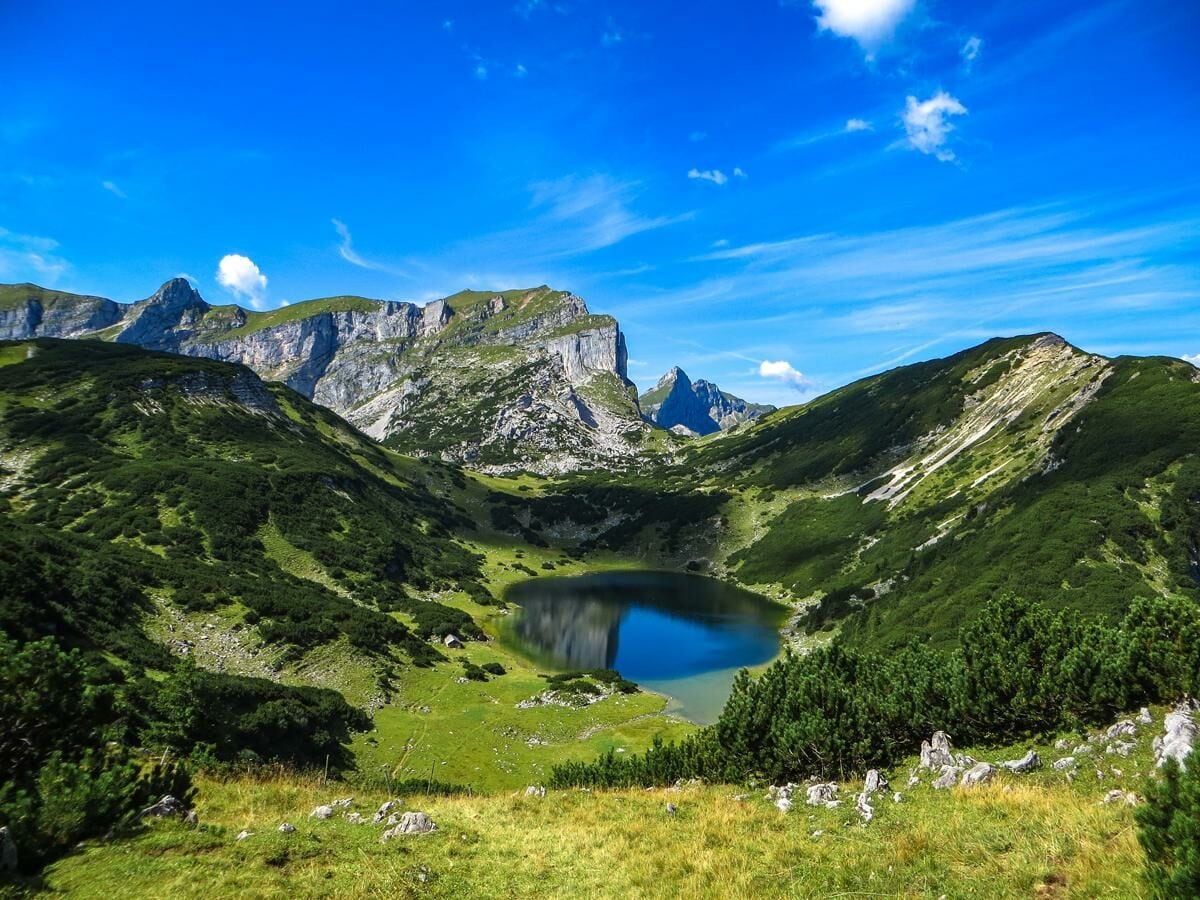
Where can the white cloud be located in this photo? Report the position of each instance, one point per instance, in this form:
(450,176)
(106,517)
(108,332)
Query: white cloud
(783,371)
(448,25)
(716,176)
(112,188)
(520,71)
(739,172)
(481,71)
(721,242)
(870,22)
(242,277)
(925,122)
(25,256)
(970,50)
(853,125)
(1194,360)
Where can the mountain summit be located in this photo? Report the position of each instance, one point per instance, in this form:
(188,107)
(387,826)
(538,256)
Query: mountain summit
(695,407)
(520,379)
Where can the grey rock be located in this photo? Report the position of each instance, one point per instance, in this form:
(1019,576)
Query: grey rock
(287,828)
(385,810)
(1062,744)
(410,823)
(1062,765)
(822,794)
(1178,737)
(781,796)
(535,790)
(1082,750)
(344,803)
(1026,763)
(1118,796)
(980,773)
(937,752)
(875,782)
(947,779)
(356,818)
(1120,748)
(1144,716)
(672,809)
(167,807)
(1124,728)
(862,803)
(242,835)
(321,812)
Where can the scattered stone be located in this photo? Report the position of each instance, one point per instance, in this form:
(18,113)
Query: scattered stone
(410,823)
(356,818)
(818,833)
(1082,750)
(167,807)
(344,803)
(287,828)
(741,798)
(1118,796)
(980,773)
(963,761)
(1120,748)
(862,803)
(321,812)
(823,795)
(672,809)
(937,752)
(1067,762)
(242,835)
(191,819)
(947,779)
(1179,736)
(535,790)
(1124,728)
(1026,763)
(1144,716)
(897,797)
(384,811)
(8,851)
(1062,744)
(875,782)
(781,796)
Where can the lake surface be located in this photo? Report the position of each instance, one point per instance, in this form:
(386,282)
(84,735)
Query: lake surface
(681,635)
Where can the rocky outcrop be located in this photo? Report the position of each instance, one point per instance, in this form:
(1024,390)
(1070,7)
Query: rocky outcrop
(410,823)
(1179,736)
(695,407)
(518,380)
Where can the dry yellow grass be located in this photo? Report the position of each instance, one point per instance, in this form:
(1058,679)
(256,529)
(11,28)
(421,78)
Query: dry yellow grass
(1010,839)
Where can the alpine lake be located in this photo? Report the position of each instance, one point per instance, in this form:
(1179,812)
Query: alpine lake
(684,636)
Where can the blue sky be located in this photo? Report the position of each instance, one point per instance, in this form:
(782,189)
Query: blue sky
(778,196)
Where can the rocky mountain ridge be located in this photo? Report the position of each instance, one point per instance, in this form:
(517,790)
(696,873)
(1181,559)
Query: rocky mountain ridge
(696,407)
(525,379)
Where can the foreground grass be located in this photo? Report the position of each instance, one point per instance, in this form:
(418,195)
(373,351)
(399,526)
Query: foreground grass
(1012,838)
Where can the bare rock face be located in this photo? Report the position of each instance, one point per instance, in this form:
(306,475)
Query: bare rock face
(696,407)
(519,380)
(1179,736)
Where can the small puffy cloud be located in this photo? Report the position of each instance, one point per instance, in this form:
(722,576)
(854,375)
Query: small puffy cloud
(520,71)
(1194,360)
(925,123)
(481,71)
(239,275)
(112,188)
(870,22)
(716,176)
(721,242)
(782,370)
(739,172)
(970,50)
(853,125)
(448,25)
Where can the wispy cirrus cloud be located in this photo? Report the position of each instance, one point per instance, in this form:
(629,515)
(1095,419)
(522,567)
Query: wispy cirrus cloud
(113,188)
(27,257)
(347,252)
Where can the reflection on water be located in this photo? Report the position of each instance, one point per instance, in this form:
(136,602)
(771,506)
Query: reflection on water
(683,635)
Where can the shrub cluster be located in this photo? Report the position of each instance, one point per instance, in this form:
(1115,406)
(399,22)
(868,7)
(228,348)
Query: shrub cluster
(1020,670)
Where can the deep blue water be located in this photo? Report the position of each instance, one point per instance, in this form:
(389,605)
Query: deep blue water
(681,635)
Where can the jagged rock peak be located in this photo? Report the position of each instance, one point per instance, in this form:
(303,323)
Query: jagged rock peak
(695,407)
(176,292)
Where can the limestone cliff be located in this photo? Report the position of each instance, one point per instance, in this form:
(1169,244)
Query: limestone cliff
(696,407)
(524,379)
